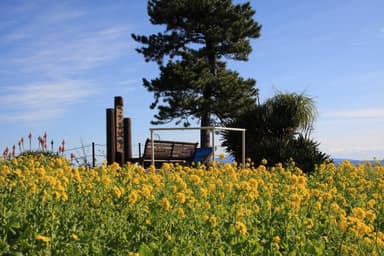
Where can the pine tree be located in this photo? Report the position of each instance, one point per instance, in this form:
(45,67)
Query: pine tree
(195,82)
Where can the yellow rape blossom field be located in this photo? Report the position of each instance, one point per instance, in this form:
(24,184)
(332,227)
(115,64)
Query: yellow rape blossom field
(49,207)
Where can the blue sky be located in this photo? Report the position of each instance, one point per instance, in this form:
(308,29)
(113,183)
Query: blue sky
(62,63)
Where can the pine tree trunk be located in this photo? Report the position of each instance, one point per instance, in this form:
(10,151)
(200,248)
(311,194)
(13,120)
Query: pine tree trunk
(206,116)
(204,134)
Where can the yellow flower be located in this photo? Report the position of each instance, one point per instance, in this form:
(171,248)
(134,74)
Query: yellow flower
(244,185)
(370,215)
(363,229)
(40,171)
(343,224)
(165,204)
(117,191)
(18,173)
(180,212)
(301,180)
(74,237)
(5,170)
(380,238)
(359,213)
(194,179)
(180,197)
(221,156)
(206,205)
(243,212)
(146,191)
(106,180)
(42,238)
(133,197)
(335,207)
(166,166)
(256,208)
(368,241)
(173,188)
(241,227)
(315,192)
(213,221)
(64,196)
(215,233)
(371,203)
(268,205)
(317,206)
(276,239)
(309,223)
(203,192)
(327,196)
(169,237)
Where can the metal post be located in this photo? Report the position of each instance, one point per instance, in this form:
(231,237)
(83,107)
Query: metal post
(93,155)
(213,144)
(243,147)
(153,149)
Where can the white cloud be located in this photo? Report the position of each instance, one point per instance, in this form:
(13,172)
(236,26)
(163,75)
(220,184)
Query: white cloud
(54,42)
(372,113)
(28,20)
(32,115)
(357,153)
(75,53)
(41,101)
(59,40)
(364,146)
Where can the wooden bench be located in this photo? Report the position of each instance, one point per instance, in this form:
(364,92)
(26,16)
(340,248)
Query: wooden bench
(168,152)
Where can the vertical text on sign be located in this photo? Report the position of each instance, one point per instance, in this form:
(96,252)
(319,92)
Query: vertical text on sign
(119,119)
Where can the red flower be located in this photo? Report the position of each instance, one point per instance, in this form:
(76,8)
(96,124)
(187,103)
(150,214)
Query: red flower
(13,151)
(5,153)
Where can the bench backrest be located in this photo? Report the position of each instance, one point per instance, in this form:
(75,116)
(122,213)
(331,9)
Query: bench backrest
(169,150)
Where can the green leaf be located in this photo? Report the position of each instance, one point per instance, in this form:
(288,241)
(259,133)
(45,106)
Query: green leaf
(144,250)
(221,252)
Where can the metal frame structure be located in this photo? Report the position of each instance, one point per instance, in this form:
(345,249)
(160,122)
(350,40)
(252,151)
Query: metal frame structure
(210,128)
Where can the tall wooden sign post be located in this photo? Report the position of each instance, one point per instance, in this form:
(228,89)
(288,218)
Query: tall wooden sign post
(119,143)
(111,138)
(119,129)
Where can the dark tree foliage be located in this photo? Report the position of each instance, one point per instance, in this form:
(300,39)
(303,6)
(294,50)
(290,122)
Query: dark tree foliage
(195,83)
(277,131)
(306,154)
(181,87)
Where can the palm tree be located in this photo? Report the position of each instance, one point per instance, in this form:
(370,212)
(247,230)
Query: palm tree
(273,127)
(290,113)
